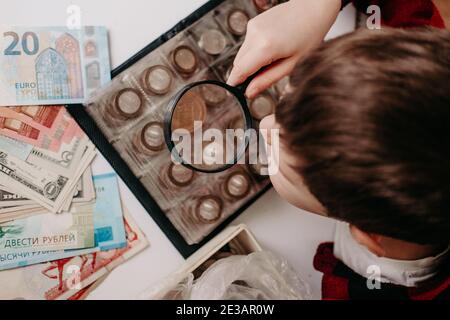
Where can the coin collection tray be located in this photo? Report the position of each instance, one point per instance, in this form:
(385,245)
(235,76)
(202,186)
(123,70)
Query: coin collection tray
(125,120)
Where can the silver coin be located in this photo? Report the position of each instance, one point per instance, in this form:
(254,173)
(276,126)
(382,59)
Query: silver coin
(128,102)
(213,42)
(238,185)
(209,209)
(153,136)
(158,79)
(237,22)
(180,175)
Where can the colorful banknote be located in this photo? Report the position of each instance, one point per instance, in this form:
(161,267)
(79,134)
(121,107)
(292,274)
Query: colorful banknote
(109,232)
(83,293)
(52,65)
(48,177)
(47,128)
(62,279)
(49,137)
(47,188)
(35,180)
(108,218)
(48,231)
(20,149)
(83,192)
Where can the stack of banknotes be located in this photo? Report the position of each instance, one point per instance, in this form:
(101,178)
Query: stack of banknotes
(44,161)
(62,229)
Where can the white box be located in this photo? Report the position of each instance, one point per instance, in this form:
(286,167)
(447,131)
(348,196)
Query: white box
(239,237)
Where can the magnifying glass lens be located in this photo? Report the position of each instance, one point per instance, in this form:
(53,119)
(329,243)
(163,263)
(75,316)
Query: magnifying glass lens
(208,127)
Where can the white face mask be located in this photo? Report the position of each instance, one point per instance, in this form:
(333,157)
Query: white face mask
(409,273)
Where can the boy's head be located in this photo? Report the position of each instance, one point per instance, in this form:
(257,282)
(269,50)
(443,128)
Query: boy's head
(365,138)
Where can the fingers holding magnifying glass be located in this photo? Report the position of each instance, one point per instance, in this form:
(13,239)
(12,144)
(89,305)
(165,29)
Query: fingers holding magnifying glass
(270,75)
(246,66)
(258,58)
(254,54)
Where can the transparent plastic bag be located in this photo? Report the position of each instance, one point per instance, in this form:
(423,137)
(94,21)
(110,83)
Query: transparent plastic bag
(257,276)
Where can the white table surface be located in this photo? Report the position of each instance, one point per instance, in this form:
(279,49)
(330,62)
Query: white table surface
(289,232)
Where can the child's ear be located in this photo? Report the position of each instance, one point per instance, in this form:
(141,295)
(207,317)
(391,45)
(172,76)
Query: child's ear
(369,240)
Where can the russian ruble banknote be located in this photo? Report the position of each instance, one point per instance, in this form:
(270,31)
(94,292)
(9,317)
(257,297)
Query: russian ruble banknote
(109,231)
(52,65)
(48,231)
(64,278)
(108,219)
(84,293)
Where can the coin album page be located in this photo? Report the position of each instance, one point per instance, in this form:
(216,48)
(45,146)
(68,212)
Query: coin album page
(130,112)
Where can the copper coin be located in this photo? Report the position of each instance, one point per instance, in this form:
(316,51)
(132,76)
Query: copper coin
(190,108)
(237,185)
(237,123)
(237,22)
(262,106)
(157,79)
(208,209)
(213,42)
(128,103)
(180,175)
(263,5)
(184,59)
(152,136)
(214,95)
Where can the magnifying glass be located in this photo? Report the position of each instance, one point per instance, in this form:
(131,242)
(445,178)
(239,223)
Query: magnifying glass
(206,125)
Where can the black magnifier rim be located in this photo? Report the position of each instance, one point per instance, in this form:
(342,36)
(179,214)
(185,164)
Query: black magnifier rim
(168,116)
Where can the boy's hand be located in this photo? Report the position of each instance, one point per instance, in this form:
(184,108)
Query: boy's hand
(278,38)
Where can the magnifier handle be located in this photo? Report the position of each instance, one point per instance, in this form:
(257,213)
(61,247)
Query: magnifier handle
(243,86)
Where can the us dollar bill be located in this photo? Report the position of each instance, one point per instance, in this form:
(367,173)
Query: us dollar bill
(83,192)
(46,187)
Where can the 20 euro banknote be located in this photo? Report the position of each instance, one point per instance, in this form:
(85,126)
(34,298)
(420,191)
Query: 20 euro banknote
(52,65)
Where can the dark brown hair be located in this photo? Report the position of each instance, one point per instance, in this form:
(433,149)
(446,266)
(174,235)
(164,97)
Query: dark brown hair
(370,123)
